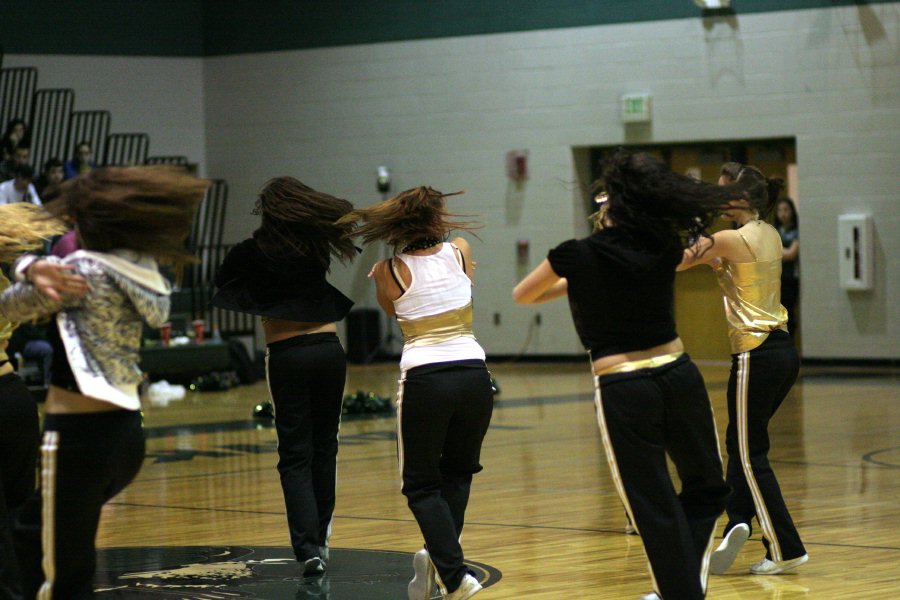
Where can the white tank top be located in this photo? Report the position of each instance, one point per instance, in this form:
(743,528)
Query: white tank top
(438,284)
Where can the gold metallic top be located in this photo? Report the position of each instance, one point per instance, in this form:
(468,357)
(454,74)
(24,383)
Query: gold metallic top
(636,365)
(434,329)
(753,296)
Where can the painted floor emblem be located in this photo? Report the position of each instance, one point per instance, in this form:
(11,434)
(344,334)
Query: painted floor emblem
(264,573)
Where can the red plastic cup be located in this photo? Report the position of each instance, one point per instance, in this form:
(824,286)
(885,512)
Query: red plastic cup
(199,330)
(165,332)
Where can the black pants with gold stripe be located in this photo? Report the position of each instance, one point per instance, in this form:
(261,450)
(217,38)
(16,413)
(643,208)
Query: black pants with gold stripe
(643,416)
(759,382)
(19,438)
(443,412)
(86,459)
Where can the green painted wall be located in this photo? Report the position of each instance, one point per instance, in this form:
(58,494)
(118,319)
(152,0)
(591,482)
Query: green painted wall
(102,27)
(216,27)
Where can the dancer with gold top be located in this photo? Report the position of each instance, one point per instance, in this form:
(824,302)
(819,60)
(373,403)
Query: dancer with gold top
(444,400)
(650,397)
(764,366)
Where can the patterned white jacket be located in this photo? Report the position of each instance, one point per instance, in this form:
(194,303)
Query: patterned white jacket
(101,331)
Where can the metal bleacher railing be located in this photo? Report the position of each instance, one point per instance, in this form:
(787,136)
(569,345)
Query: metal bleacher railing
(205,243)
(56,128)
(180,161)
(125,149)
(17,87)
(51,111)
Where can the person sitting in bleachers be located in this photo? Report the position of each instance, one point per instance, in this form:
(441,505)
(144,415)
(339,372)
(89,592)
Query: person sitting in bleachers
(82,162)
(20,156)
(20,188)
(15,136)
(53,174)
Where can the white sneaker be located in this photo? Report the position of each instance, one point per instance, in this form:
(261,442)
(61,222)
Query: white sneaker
(724,555)
(313,566)
(323,550)
(650,596)
(468,588)
(771,567)
(422,584)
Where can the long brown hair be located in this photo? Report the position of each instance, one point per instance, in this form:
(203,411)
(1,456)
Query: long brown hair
(411,215)
(147,209)
(298,221)
(656,207)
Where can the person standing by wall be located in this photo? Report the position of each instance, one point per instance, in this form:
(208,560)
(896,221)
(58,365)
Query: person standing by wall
(788,224)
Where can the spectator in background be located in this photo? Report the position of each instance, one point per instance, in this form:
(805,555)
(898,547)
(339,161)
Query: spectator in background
(20,156)
(53,174)
(788,224)
(20,188)
(15,136)
(82,162)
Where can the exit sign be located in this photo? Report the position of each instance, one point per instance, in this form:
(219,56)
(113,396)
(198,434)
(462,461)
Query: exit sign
(636,108)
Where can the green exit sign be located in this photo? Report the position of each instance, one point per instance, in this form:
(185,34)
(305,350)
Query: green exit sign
(636,108)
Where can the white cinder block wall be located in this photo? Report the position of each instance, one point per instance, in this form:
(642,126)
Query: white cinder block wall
(162,97)
(444,112)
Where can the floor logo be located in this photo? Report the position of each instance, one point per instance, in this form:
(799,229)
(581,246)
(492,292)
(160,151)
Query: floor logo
(263,573)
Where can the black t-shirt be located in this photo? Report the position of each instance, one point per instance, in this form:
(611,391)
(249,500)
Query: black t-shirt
(292,289)
(621,295)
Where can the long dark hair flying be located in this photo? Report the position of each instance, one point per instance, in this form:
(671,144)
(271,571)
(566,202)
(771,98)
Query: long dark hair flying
(147,209)
(298,221)
(411,215)
(657,208)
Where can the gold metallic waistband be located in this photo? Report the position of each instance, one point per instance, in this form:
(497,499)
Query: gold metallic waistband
(434,329)
(635,365)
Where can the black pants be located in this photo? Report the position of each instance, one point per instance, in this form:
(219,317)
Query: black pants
(643,415)
(19,438)
(86,459)
(759,382)
(306,375)
(790,295)
(443,412)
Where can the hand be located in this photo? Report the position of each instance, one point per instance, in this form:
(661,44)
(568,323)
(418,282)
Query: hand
(54,280)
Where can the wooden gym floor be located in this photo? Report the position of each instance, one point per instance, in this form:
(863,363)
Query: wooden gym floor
(544,517)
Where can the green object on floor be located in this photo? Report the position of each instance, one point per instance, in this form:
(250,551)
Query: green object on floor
(366,403)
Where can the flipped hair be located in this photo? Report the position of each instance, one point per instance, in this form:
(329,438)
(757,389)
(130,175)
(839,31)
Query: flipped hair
(298,221)
(411,215)
(146,209)
(657,208)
